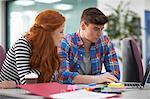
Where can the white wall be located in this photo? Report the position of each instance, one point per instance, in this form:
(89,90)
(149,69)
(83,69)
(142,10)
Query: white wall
(137,6)
(147,5)
(2,23)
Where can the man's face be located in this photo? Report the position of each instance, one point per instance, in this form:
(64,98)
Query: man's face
(93,32)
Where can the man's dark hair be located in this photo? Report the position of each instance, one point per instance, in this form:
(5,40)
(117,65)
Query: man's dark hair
(93,16)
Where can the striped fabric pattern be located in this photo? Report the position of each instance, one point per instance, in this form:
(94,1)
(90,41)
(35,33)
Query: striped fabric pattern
(72,52)
(16,64)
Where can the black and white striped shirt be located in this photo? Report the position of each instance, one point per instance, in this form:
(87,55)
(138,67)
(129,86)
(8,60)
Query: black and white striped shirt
(16,64)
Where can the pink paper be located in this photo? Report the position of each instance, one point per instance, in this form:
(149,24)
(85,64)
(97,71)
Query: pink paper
(45,89)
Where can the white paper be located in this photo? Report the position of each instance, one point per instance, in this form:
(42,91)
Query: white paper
(81,86)
(31,75)
(81,94)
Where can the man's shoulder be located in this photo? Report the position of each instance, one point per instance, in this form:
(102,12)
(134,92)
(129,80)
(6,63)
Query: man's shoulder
(104,39)
(71,37)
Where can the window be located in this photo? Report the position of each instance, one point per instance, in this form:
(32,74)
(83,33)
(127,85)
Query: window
(21,14)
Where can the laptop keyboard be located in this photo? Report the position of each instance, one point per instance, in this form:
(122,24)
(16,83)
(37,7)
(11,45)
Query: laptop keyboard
(133,85)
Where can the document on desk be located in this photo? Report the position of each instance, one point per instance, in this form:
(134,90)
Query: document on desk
(44,89)
(81,94)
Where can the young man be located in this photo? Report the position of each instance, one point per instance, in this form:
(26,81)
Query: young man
(83,53)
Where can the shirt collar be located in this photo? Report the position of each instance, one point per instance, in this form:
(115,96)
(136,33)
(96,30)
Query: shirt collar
(80,42)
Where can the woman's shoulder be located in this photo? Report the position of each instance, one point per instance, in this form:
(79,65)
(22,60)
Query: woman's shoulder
(22,39)
(22,42)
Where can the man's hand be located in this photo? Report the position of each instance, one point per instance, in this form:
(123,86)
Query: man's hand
(7,84)
(105,78)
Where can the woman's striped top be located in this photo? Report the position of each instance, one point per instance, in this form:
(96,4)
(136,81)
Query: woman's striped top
(16,64)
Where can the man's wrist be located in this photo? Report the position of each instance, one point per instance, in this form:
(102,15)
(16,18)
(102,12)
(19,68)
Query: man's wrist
(94,79)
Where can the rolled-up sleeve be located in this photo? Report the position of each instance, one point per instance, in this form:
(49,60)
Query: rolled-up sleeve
(111,59)
(65,75)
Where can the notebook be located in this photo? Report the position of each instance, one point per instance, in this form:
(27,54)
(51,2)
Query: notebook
(44,89)
(139,84)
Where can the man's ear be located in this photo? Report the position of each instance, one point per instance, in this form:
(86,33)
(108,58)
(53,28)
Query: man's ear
(83,25)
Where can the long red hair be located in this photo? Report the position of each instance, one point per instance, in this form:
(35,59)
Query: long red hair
(44,56)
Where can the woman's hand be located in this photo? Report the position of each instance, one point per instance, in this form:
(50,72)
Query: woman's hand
(7,84)
(105,78)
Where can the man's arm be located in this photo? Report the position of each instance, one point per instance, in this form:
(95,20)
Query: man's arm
(111,59)
(65,75)
(86,79)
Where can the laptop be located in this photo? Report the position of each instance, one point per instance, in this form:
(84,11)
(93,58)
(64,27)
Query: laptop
(139,84)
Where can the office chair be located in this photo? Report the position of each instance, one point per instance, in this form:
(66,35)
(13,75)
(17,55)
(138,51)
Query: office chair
(2,56)
(132,62)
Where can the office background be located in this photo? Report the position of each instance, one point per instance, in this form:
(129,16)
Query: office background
(16,16)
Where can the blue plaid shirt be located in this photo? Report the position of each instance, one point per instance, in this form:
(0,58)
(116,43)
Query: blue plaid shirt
(72,51)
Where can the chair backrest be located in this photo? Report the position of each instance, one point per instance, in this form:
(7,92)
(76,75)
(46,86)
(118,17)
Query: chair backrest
(2,55)
(132,62)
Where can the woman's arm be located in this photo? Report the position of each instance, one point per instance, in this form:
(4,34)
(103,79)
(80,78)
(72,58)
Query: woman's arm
(7,84)
(22,55)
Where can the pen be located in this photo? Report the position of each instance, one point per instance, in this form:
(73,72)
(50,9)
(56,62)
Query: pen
(89,89)
(98,89)
(92,84)
(112,92)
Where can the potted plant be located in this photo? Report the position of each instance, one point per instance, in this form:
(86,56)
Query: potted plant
(123,23)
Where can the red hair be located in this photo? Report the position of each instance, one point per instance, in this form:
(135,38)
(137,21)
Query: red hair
(44,56)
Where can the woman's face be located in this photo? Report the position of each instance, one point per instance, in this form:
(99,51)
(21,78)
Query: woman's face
(58,35)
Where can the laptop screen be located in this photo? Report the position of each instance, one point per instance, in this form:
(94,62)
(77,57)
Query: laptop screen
(146,75)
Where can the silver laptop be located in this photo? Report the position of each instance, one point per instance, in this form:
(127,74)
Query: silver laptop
(139,84)
(132,65)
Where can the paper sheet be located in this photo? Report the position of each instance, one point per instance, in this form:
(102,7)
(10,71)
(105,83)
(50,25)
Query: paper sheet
(81,94)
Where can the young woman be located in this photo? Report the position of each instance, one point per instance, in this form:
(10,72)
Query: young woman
(35,52)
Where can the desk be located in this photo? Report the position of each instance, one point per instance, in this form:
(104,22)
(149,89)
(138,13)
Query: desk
(131,93)
(17,94)
(137,93)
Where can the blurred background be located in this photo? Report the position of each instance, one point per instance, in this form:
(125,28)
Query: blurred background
(127,18)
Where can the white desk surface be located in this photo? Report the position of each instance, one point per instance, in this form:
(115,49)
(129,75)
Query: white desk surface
(130,94)
(18,93)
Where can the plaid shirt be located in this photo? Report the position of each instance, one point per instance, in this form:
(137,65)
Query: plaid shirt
(72,51)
